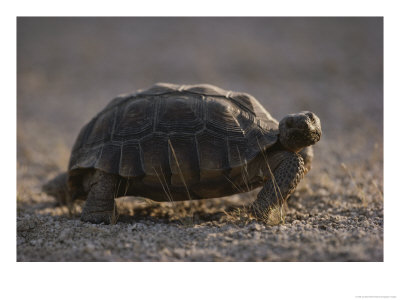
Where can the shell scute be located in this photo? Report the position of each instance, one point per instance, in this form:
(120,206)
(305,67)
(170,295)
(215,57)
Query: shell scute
(134,120)
(130,164)
(182,113)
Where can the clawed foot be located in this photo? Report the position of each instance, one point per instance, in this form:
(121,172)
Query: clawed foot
(260,212)
(271,215)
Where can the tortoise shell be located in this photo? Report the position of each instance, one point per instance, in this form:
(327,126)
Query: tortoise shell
(195,131)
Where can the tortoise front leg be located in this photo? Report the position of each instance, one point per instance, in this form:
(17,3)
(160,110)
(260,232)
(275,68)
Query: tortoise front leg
(288,173)
(100,203)
(307,154)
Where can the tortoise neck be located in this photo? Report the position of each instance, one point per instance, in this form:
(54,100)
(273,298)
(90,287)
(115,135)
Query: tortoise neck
(277,146)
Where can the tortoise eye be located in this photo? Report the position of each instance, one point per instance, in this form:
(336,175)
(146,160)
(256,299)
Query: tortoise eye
(310,115)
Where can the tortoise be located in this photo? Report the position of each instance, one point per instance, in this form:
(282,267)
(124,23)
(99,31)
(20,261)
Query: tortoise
(186,142)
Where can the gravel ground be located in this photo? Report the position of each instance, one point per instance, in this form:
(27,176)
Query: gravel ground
(70,68)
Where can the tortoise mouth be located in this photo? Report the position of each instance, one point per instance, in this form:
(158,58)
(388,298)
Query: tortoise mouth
(314,136)
(296,139)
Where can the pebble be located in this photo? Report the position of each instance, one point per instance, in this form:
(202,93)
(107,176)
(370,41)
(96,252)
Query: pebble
(322,192)
(179,253)
(308,226)
(37,242)
(296,222)
(65,234)
(90,246)
(255,227)
(20,241)
(323,227)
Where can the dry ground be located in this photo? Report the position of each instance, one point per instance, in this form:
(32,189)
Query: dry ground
(68,69)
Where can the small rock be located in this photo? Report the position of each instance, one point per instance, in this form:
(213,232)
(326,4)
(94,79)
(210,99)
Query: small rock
(90,246)
(308,226)
(179,253)
(20,241)
(296,222)
(32,242)
(65,234)
(322,192)
(255,227)
(322,227)
(228,239)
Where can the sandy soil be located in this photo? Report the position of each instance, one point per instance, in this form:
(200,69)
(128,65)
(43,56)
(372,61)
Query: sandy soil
(69,69)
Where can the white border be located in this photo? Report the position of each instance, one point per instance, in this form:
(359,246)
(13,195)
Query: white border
(199,280)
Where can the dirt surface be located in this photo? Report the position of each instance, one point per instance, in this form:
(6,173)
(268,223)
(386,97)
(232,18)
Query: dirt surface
(70,68)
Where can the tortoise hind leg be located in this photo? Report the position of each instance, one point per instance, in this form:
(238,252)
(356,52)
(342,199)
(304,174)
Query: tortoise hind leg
(287,174)
(100,204)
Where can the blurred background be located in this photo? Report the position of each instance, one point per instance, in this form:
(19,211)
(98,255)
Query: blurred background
(70,68)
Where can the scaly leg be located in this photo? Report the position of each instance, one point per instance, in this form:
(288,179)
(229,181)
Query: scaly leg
(100,203)
(289,171)
(307,154)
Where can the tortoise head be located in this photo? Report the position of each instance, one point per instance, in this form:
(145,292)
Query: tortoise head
(300,130)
